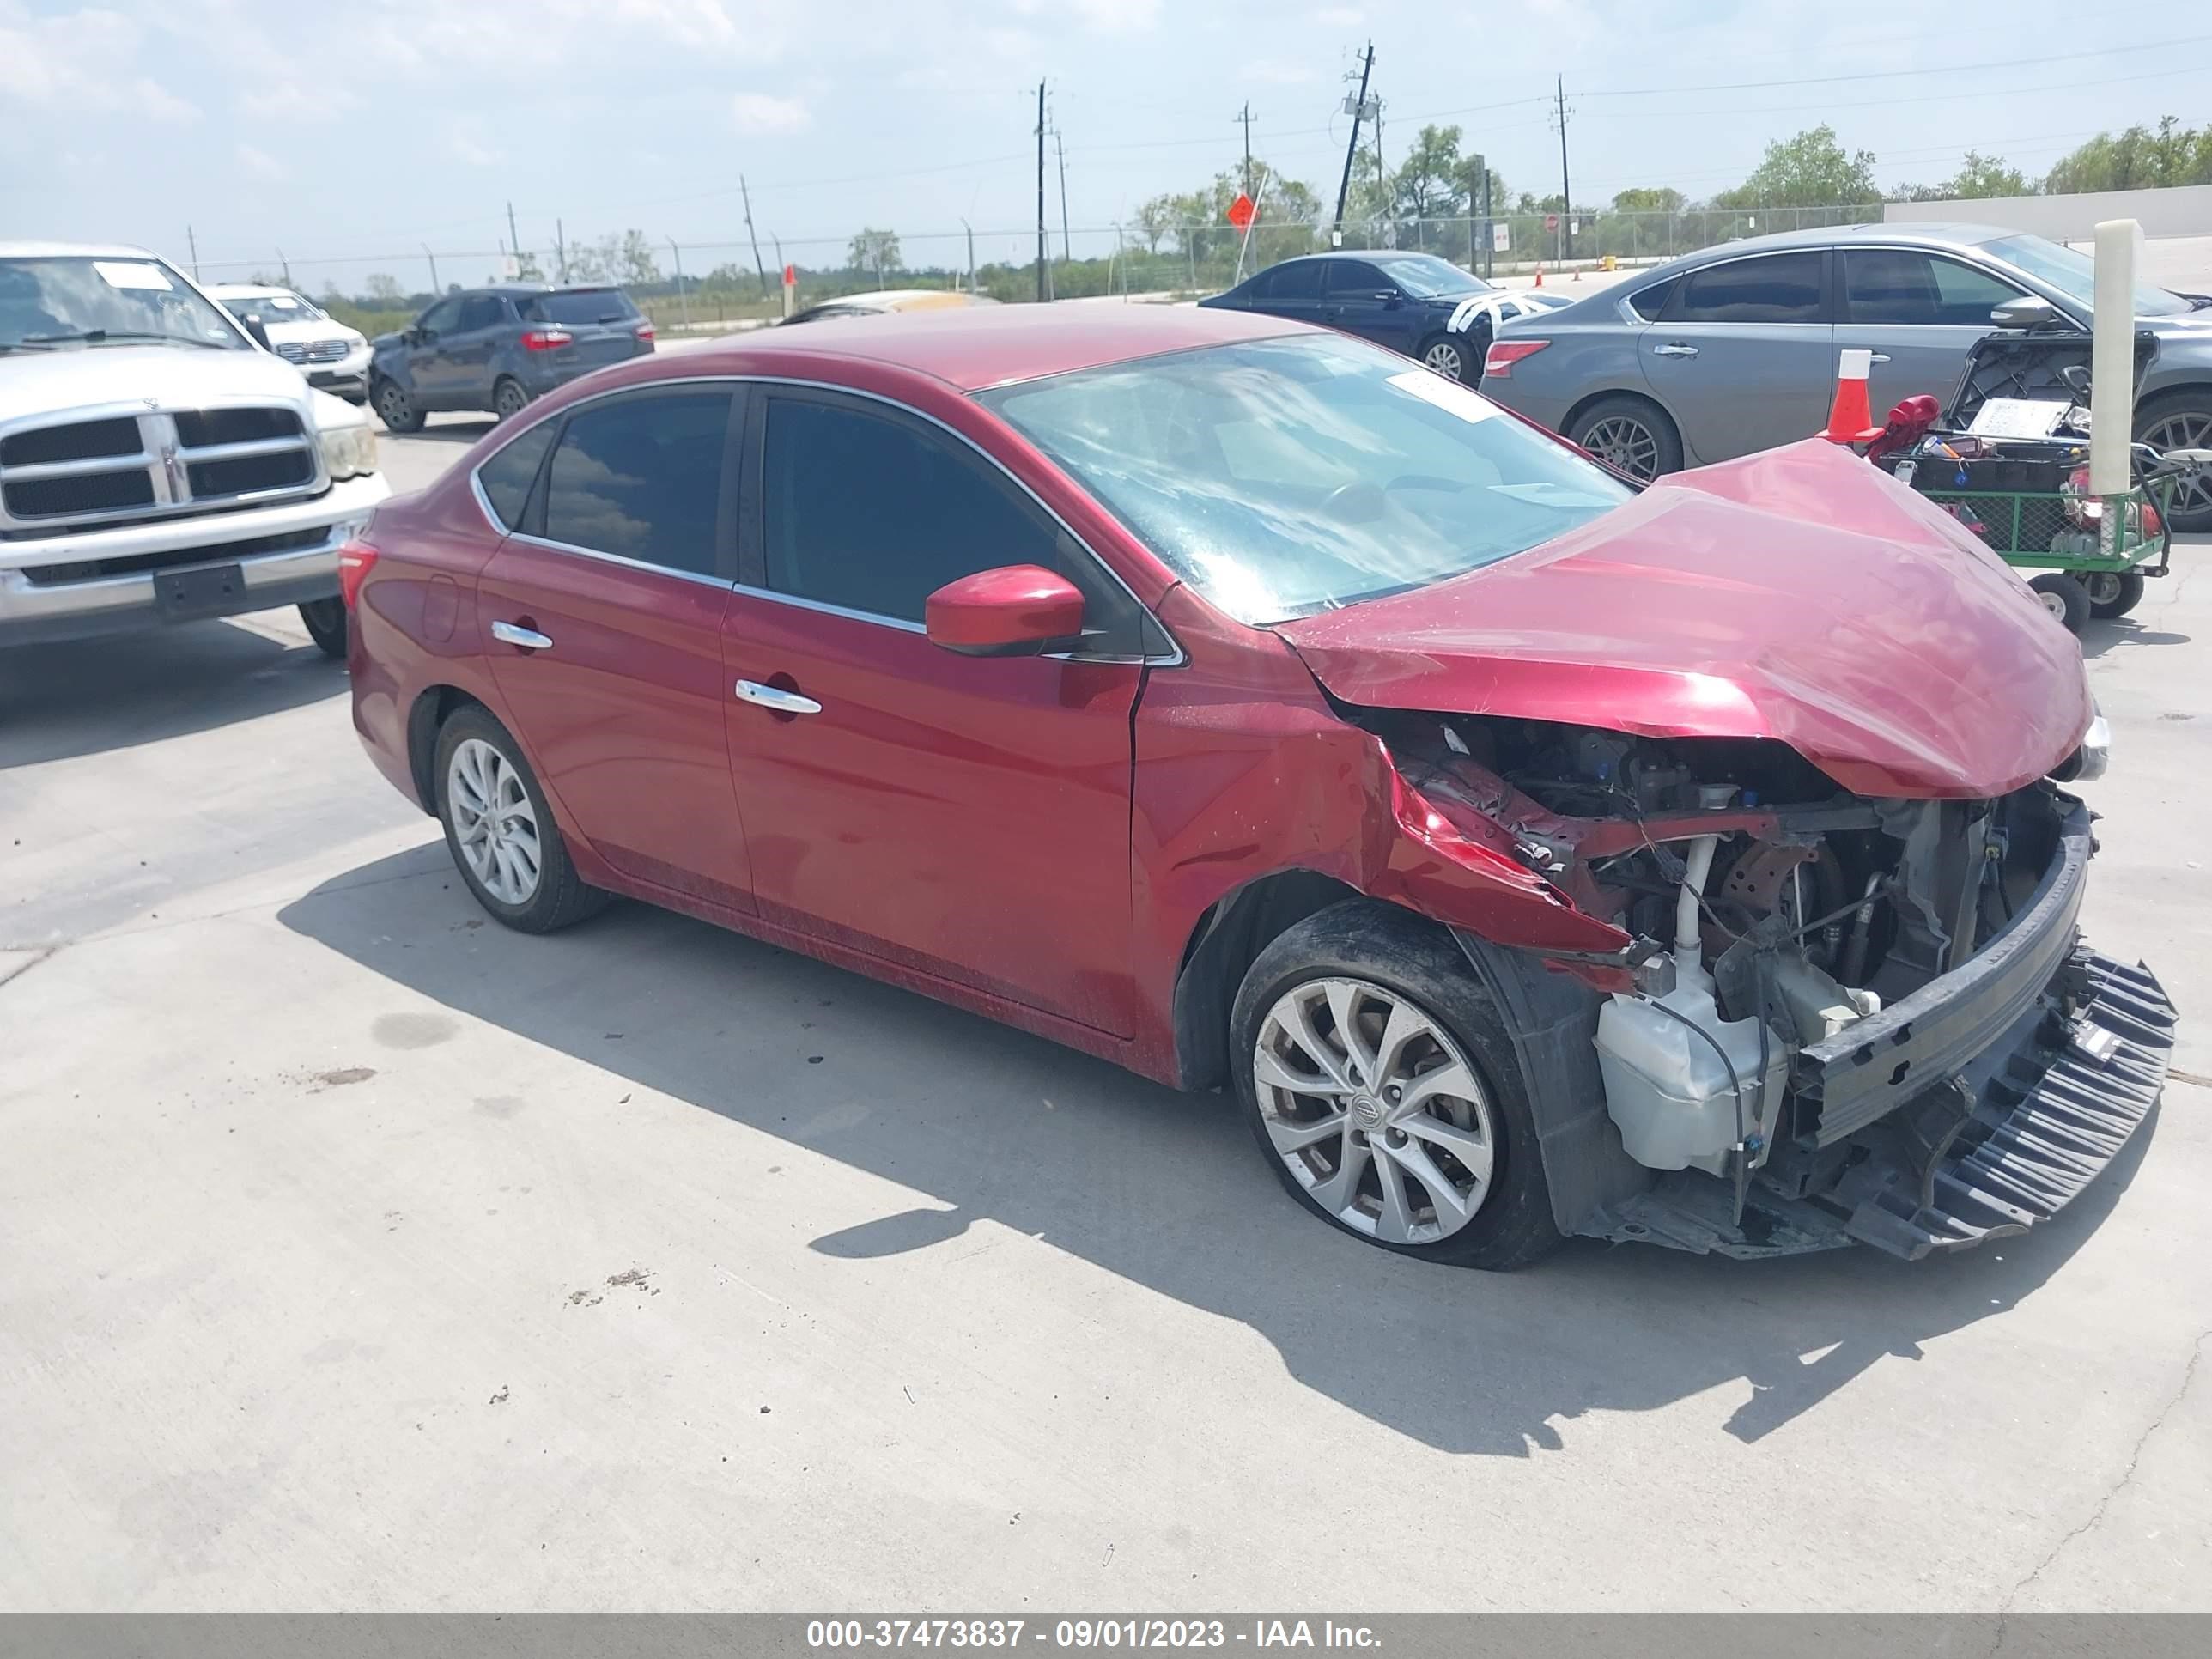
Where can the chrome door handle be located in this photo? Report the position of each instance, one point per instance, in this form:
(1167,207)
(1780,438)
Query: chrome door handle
(528,639)
(1677,350)
(1879,357)
(775,697)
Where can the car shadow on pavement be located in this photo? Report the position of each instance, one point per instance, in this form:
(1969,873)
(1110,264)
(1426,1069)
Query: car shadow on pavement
(89,697)
(1167,1190)
(2099,637)
(461,432)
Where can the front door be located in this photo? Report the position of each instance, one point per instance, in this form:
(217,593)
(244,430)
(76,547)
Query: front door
(1917,312)
(611,597)
(1743,356)
(1360,300)
(465,354)
(429,366)
(967,818)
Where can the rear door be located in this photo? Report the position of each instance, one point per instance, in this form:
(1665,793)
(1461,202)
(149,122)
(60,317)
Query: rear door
(602,325)
(1742,356)
(1917,311)
(1357,298)
(1292,290)
(612,592)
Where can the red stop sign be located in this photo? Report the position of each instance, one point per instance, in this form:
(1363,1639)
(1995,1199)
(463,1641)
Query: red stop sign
(1241,211)
(1551,222)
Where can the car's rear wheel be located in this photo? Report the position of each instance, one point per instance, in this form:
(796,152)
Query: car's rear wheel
(1631,434)
(326,621)
(2113,592)
(396,408)
(2063,597)
(1452,358)
(501,831)
(1385,1093)
(508,400)
(2183,420)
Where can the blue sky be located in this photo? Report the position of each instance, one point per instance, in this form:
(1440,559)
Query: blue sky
(347,135)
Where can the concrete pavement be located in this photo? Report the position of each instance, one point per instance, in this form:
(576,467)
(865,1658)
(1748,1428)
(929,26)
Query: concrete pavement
(356,1252)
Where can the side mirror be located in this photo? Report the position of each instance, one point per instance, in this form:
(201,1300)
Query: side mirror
(254,326)
(1015,611)
(2029,311)
(1389,296)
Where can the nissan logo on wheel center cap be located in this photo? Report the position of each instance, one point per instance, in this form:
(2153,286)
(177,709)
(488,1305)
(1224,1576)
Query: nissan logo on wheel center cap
(1368,1111)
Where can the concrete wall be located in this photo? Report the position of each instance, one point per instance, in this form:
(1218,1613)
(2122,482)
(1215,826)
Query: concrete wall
(2185,210)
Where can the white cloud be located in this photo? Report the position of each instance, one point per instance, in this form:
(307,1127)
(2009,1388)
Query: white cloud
(762,112)
(1341,17)
(291,100)
(261,164)
(1279,72)
(76,61)
(1099,16)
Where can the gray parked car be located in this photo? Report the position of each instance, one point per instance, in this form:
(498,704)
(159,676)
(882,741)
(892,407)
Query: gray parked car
(1734,349)
(497,348)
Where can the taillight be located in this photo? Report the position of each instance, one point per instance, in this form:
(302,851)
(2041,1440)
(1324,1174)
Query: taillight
(645,330)
(545,339)
(1504,354)
(356,561)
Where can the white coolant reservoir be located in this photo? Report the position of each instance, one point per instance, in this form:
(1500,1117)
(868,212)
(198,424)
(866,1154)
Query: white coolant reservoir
(1667,1088)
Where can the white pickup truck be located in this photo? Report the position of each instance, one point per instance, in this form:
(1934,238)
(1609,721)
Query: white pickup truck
(157,464)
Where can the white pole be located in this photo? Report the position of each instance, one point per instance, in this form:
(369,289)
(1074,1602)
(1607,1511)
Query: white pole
(1249,225)
(2112,361)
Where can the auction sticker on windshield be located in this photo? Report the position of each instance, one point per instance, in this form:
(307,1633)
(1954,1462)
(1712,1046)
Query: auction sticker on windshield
(1448,395)
(117,273)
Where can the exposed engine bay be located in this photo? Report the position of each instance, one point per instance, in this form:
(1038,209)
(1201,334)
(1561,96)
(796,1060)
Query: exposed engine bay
(1814,974)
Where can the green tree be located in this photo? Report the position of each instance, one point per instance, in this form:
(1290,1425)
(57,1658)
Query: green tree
(384,288)
(2138,159)
(1980,176)
(1649,200)
(1810,170)
(527,269)
(874,251)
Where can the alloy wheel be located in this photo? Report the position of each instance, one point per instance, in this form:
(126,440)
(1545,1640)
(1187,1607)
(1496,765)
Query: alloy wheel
(2187,428)
(394,406)
(494,821)
(511,401)
(1373,1109)
(1624,441)
(1444,357)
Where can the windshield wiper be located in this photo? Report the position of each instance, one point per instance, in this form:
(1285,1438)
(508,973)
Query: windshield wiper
(103,336)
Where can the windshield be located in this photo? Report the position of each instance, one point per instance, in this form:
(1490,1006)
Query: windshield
(2074,274)
(581,304)
(1282,478)
(1427,277)
(275,308)
(73,303)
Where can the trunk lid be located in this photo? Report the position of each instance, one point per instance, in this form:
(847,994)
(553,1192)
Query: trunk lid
(1797,594)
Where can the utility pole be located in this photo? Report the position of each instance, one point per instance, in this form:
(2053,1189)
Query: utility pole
(1567,190)
(970,229)
(1061,150)
(561,248)
(1246,117)
(432,259)
(676,253)
(747,196)
(514,236)
(1489,236)
(1352,146)
(193,243)
(1040,138)
(285,266)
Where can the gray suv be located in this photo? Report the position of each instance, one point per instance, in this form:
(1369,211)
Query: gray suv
(1734,349)
(497,348)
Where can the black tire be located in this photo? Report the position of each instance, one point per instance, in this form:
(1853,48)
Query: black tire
(2183,420)
(508,397)
(2063,597)
(1455,356)
(561,897)
(2114,593)
(396,407)
(326,626)
(1416,961)
(1608,429)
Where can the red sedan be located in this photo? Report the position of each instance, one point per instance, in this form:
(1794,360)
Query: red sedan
(1232,699)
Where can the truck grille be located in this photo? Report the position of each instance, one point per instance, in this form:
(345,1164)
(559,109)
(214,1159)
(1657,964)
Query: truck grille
(312,351)
(91,471)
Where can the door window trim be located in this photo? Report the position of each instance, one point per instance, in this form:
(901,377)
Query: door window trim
(532,526)
(1669,315)
(2020,290)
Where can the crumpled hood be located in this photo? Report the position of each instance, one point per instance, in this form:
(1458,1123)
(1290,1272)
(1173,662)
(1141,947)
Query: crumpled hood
(1799,594)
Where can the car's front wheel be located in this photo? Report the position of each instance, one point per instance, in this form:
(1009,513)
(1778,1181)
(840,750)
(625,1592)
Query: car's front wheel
(1629,435)
(1453,357)
(1385,1092)
(501,831)
(326,621)
(395,407)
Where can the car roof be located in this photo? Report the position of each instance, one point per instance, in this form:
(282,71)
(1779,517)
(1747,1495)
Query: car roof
(73,250)
(245,290)
(972,347)
(1915,233)
(905,299)
(543,288)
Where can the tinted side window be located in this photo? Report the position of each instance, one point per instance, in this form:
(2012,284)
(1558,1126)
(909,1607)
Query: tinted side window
(873,513)
(1347,276)
(642,477)
(1897,285)
(1649,303)
(479,311)
(440,317)
(1782,288)
(507,476)
(1300,279)
(569,307)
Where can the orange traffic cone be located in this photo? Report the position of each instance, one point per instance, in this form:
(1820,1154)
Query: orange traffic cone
(1851,419)
(1540,273)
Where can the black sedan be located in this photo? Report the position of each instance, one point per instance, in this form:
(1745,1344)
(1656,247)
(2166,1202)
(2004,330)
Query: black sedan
(1416,303)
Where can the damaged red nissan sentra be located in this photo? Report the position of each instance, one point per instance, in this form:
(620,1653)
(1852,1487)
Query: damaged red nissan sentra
(1532,856)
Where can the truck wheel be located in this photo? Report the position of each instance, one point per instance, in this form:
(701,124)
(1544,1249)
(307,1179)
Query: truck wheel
(508,400)
(1631,434)
(2183,420)
(2114,592)
(2063,597)
(326,626)
(397,410)
(1385,1093)
(501,831)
